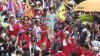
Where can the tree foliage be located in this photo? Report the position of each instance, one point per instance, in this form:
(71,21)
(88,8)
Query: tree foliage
(86,18)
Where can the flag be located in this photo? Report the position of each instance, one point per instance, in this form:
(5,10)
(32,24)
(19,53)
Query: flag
(52,3)
(16,7)
(62,11)
(20,9)
(44,5)
(28,10)
(10,5)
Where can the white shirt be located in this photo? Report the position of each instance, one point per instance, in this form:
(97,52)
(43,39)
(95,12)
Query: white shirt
(37,29)
(95,43)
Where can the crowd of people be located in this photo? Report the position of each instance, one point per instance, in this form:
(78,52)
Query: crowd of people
(44,34)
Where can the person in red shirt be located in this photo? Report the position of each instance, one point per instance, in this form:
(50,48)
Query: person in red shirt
(87,52)
(77,49)
(1,7)
(13,29)
(23,40)
(67,27)
(67,45)
(44,29)
(59,51)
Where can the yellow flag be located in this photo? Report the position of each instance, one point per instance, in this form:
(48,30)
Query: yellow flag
(28,10)
(62,12)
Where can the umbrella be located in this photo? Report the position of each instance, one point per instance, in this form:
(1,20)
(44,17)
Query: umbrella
(88,6)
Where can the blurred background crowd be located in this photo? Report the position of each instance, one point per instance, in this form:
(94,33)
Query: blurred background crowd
(34,28)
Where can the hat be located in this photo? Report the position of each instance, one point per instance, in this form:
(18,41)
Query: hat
(38,2)
(37,16)
(84,30)
(21,31)
(23,3)
(67,32)
(12,14)
(33,4)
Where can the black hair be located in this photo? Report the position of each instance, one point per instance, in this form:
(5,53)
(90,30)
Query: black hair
(12,48)
(78,40)
(18,52)
(86,45)
(36,21)
(51,8)
(36,52)
(5,45)
(4,12)
(67,22)
(5,19)
(1,40)
(45,52)
(27,53)
(73,53)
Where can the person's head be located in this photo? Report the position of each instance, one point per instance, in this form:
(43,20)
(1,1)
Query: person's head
(5,45)
(86,46)
(43,46)
(51,10)
(11,20)
(5,19)
(67,22)
(4,12)
(36,53)
(84,31)
(58,38)
(87,26)
(37,22)
(76,29)
(12,48)
(33,41)
(78,21)
(18,53)
(77,42)
(66,35)
(7,39)
(1,41)
(26,18)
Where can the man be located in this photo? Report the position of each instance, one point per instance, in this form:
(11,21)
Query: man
(51,22)
(67,43)
(13,29)
(59,51)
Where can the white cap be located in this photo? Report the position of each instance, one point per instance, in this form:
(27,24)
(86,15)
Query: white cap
(67,32)
(38,2)
(37,16)
(84,30)
(32,4)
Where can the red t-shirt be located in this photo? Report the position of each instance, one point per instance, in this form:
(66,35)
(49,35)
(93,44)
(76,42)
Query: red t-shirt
(60,54)
(44,28)
(67,49)
(88,53)
(26,39)
(1,8)
(78,50)
(16,28)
